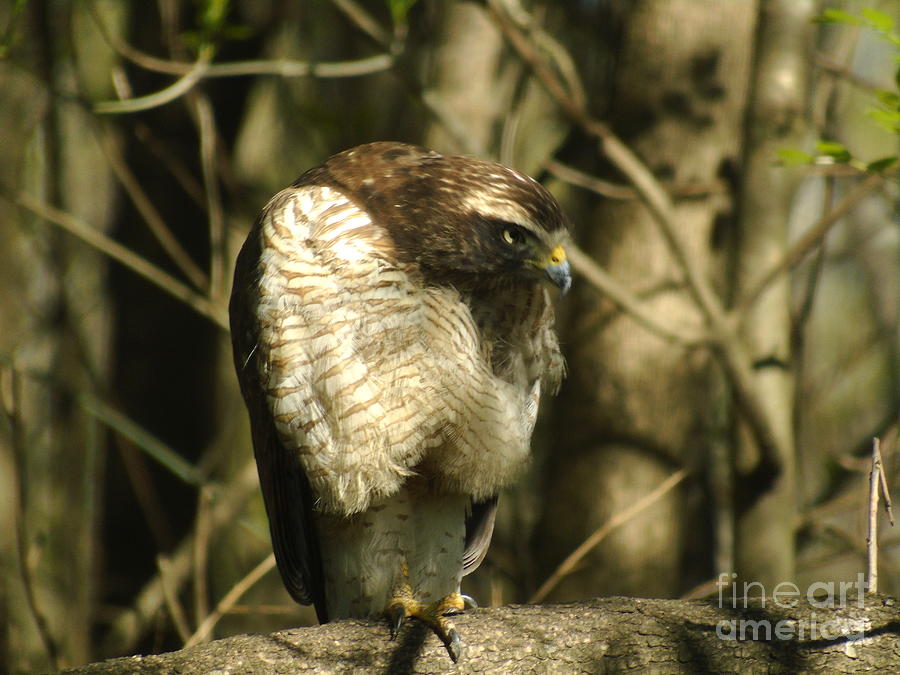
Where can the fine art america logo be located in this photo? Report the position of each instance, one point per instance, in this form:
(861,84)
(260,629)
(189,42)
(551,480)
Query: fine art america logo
(786,595)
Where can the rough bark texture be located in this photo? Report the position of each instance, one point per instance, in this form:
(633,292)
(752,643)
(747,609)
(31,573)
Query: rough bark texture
(634,407)
(765,522)
(604,635)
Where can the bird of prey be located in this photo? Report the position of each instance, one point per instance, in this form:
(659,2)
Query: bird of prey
(393,334)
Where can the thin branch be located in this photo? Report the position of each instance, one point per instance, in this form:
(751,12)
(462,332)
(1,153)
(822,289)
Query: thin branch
(568,565)
(176,167)
(126,257)
(885,491)
(606,284)
(206,127)
(264,609)
(139,199)
(201,542)
(872,538)
(808,241)
(279,67)
(542,40)
(173,462)
(601,187)
(612,190)
(230,598)
(288,68)
(178,88)
(363,20)
(144,205)
(127,628)
(176,611)
(832,67)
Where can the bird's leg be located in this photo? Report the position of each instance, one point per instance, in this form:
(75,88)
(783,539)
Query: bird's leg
(403,604)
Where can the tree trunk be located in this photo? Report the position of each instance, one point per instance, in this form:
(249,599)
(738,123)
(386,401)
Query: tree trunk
(54,345)
(766,514)
(635,407)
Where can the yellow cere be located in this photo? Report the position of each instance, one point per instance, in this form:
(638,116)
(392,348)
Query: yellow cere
(557,256)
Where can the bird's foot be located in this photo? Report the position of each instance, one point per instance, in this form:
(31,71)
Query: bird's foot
(403,604)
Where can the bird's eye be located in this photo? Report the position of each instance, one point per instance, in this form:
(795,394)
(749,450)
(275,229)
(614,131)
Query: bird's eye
(513,236)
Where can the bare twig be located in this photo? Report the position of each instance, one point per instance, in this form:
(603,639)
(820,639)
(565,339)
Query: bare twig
(363,20)
(97,239)
(278,67)
(832,67)
(206,127)
(201,554)
(230,598)
(701,590)
(288,68)
(885,491)
(568,565)
(620,295)
(809,241)
(176,611)
(263,609)
(612,190)
(148,211)
(147,442)
(131,624)
(178,88)
(604,188)
(176,167)
(872,538)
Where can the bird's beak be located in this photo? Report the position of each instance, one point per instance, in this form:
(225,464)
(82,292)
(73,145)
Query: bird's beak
(557,269)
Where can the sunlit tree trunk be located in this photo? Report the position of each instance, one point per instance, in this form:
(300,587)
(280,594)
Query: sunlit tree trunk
(634,407)
(777,118)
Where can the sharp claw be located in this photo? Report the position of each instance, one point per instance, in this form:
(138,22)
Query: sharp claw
(469,602)
(397,615)
(454,645)
(403,604)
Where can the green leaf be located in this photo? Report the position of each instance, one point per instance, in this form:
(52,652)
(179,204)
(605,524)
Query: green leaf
(881,164)
(10,34)
(213,15)
(399,10)
(838,16)
(878,20)
(834,149)
(888,98)
(794,157)
(889,119)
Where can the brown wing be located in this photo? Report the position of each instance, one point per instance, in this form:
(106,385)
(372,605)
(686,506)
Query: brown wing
(479,530)
(285,488)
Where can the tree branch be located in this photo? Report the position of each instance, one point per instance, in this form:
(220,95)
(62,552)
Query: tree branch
(94,237)
(603,635)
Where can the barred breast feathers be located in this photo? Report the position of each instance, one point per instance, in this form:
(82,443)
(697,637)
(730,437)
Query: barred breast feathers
(369,375)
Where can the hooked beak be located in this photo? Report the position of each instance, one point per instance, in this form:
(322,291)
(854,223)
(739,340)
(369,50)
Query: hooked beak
(557,269)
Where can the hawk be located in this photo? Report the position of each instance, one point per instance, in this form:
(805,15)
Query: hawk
(393,334)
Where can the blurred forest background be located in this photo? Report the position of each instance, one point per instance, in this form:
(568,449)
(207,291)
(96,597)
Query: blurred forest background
(731,335)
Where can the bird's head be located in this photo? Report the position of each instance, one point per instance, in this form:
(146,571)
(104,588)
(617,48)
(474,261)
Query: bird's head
(462,220)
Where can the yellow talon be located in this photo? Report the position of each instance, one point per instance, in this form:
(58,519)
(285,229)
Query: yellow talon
(403,604)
